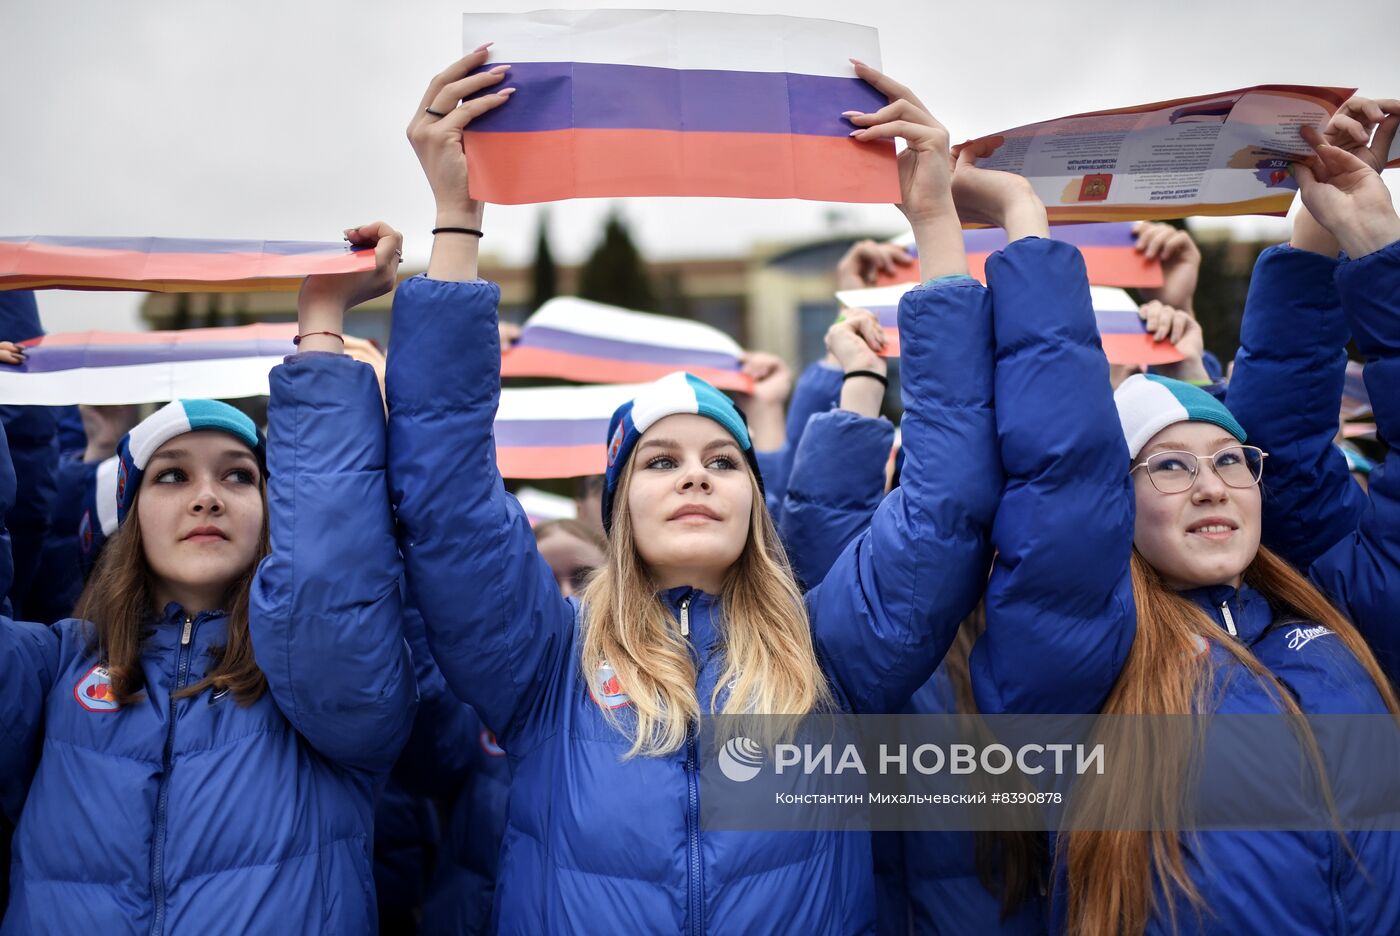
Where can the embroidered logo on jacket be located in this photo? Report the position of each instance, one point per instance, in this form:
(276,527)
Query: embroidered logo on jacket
(94,691)
(615,445)
(1299,637)
(610,694)
(489,745)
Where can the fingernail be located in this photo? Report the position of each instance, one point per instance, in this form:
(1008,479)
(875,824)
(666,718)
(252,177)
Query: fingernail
(857,62)
(506,92)
(854,133)
(851,113)
(483,47)
(500,69)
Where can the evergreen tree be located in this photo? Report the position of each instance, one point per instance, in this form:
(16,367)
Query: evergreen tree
(544,277)
(615,273)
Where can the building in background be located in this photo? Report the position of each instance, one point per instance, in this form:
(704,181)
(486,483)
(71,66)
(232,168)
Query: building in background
(778,297)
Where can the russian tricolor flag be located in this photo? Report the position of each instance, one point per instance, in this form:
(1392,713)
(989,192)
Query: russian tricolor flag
(556,432)
(146,367)
(1122,331)
(1109,250)
(550,432)
(663,102)
(588,342)
(171,264)
(1356,400)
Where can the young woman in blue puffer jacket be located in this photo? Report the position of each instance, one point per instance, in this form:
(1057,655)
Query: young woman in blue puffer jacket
(595,702)
(202,745)
(1222,626)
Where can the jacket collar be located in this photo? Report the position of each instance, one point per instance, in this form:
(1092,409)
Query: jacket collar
(1243,609)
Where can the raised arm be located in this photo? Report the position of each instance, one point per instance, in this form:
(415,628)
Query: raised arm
(28,667)
(1287,391)
(1361,571)
(838,470)
(888,610)
(1060,614)
(495,621)
(325,608)
(443,748)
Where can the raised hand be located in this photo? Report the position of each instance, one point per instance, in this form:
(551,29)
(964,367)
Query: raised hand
(772,379)
(323,299)
(925,170)
(1180,259)
(1347,197)
(855,343)
(764,408)
(11,353)
(990,196)
(1351,129)
(866,260)
(1178,326)
(436,132)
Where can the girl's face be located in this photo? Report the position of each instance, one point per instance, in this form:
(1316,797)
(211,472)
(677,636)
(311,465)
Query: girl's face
(201,512)
(690,499)
(570,559)
(1207,535)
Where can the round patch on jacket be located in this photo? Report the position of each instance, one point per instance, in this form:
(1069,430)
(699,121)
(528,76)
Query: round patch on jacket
(615,445)
(610,694)
(94,691)
(489,745)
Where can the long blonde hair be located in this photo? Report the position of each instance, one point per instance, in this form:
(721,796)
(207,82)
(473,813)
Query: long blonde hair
(1114,875)
(767,638)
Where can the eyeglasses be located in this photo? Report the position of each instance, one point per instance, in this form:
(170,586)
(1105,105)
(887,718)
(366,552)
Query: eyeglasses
(1239,466)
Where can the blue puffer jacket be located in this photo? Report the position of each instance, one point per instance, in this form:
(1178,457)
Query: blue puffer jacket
(171,816)
(1281,882)
(1287,391)
(817,390)
(59,579)
(1293,883)
(452,758)
(926,882)
(32,431)
(1060,613)
(594,843)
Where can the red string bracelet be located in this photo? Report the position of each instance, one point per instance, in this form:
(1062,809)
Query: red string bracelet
(297,339)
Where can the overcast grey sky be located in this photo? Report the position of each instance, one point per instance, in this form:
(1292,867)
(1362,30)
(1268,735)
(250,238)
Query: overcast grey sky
(285,119)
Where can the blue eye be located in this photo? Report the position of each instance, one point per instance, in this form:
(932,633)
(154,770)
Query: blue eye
(723,463)
(243,476)
(170,476)
(662,461)
(1169,465)
(1230,458)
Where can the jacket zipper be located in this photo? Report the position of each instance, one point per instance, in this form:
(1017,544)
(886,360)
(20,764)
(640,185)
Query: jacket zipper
(697,910)
(685,613)
(1229,618)
(182,671)
(692,782)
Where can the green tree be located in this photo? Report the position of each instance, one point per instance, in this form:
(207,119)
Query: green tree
(544,276)
(615,272)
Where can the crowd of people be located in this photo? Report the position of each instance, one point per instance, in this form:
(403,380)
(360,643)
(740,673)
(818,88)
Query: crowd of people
(326,678)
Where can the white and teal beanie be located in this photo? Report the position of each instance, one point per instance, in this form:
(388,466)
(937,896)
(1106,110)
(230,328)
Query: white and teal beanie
(174,419)
(1147,404)
(675,393)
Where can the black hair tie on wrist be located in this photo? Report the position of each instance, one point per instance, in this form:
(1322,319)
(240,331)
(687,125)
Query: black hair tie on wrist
(456,230)
(866,373)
